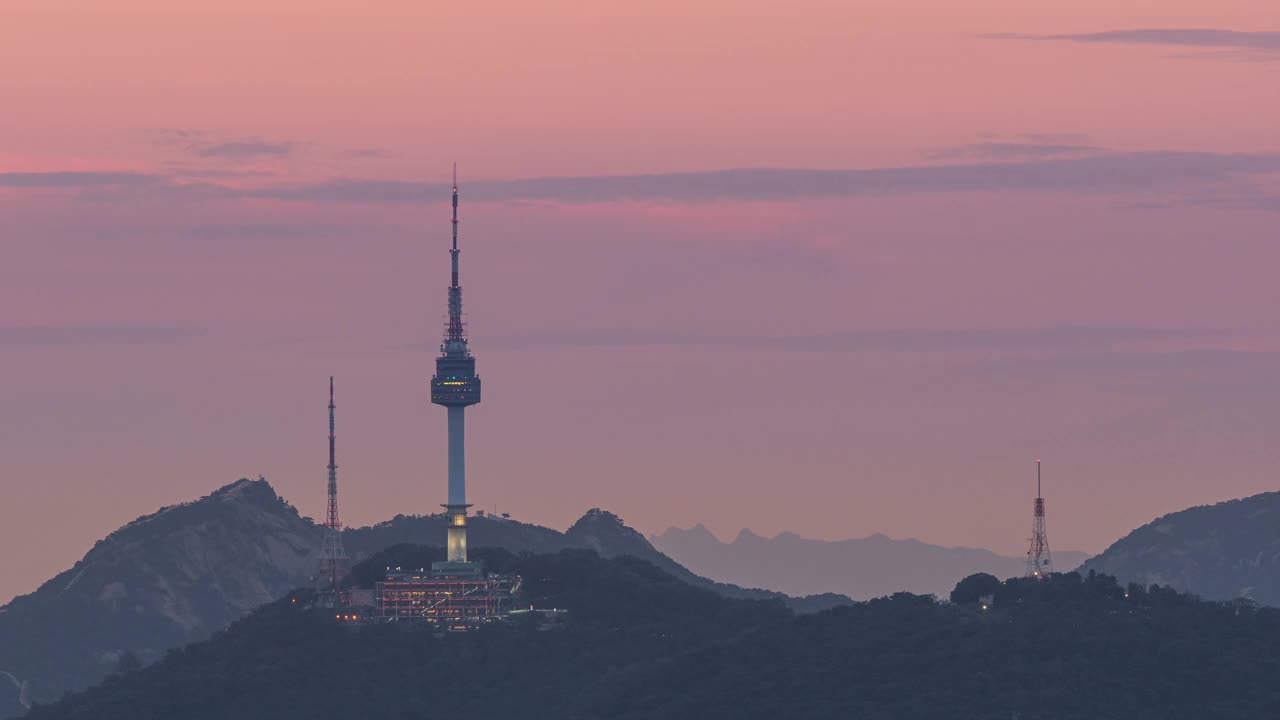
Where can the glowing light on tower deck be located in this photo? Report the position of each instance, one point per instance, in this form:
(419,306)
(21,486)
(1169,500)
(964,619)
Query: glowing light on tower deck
(455,386)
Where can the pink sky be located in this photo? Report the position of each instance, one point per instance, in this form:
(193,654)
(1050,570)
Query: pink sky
(886,350)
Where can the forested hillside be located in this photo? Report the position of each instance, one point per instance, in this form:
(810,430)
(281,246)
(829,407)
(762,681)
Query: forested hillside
(640,643)
(181,573)
(1219,552)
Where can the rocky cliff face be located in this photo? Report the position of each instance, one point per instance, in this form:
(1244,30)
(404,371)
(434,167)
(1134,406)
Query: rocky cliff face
(161,581)
(1219,552)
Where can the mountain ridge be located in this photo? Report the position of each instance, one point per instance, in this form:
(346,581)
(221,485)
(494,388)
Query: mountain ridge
(176,575)
(861,568)
(1219,551)
(183,572)
(635,643)
(161,580)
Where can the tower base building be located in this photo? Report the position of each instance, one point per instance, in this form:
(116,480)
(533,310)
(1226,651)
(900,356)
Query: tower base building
(462,600)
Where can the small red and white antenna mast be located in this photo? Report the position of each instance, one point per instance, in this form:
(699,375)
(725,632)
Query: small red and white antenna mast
(1039,561)
(333,557)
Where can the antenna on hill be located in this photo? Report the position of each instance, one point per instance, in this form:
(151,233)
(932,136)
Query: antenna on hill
(333,557)
(1039,561)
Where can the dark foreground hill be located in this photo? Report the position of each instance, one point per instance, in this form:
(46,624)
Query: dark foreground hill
(641,644)
(179,574)
(1219,552)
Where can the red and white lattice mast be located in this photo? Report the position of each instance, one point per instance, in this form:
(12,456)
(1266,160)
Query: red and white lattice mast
(1039,561)
(333,557)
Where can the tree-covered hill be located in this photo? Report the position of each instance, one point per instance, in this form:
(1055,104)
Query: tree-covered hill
(640,643)
(177,575)
(598,530)
(1219,552)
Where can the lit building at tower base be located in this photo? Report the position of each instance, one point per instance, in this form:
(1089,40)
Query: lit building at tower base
(451,596)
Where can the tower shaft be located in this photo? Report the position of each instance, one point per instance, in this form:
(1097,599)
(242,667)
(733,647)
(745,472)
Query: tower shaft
(457,456)
(457,505)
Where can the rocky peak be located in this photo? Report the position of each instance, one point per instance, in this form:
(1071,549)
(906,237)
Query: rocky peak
(246,490)
(698,534)
(605,533)
(164,579)
(595,517)
(235,498)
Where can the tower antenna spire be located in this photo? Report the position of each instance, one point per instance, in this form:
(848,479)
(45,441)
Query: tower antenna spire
(455,339)
(1039,560)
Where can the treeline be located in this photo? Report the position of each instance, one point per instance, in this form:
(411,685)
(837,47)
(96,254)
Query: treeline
(642,644)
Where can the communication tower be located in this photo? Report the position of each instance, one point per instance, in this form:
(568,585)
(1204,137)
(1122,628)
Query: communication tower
(1039,561)
(333,557)
(456,386)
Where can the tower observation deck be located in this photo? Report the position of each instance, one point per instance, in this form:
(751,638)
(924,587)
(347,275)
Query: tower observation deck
(456,386)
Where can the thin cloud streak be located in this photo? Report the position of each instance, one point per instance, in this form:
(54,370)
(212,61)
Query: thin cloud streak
(370,154)
(1011,151)
(1115,172)
(213,146)
(1189,370)
(247,149)
(75,179)
(268,230)
(41,336)
(1183,37)
(1009,340)
(179,171)
(1072,138)
(1104,173)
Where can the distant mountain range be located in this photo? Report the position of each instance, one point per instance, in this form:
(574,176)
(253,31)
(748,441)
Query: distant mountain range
(1219,552)
(177,575)
(863,568)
